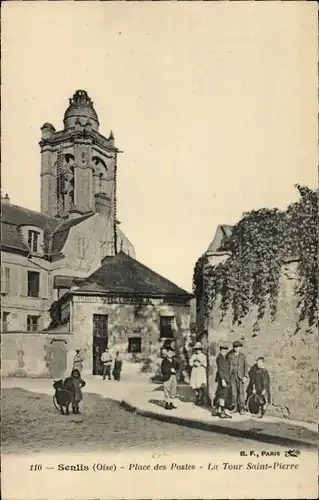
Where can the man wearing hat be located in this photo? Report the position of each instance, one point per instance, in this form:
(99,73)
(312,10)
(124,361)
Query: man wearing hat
(223,380)
(198,381)
(169,369)
(238,375)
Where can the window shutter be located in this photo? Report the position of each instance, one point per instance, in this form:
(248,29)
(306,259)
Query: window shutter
(24,282)
(81,244)
(11,280)
(44,278)
(5,279)
(79,247)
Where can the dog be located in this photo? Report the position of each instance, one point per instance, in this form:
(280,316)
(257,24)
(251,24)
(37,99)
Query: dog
(63,395)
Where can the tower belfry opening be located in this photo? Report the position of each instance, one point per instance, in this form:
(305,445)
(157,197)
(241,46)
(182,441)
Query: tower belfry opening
(78,163)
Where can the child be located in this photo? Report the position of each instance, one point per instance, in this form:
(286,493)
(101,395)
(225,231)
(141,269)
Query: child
(75,383)
(259,385)
(223,380)
(169,368)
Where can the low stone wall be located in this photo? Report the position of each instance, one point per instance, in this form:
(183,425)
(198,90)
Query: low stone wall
(36,354)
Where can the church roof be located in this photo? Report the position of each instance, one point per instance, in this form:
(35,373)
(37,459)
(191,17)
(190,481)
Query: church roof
(13,217)
(123,275)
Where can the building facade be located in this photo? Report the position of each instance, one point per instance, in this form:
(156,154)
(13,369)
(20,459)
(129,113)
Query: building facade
(124,306)
(43,252)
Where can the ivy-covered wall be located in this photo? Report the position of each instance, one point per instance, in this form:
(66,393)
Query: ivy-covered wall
(262,285)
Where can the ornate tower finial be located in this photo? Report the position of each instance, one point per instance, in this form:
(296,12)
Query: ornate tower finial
(80,108)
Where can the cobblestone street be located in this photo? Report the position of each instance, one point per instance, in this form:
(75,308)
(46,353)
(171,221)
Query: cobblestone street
(32,424)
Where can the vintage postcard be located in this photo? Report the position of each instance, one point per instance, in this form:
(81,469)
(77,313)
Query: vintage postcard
(159,250)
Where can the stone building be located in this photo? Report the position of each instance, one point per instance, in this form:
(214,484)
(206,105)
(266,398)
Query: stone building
(41,252)
(291,357)
(124,306)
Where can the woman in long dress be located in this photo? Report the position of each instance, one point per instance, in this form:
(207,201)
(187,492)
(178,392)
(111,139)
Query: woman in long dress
(198,381)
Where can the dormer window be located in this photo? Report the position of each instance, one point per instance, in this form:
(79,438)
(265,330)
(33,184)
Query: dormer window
(33,237)
(33,241)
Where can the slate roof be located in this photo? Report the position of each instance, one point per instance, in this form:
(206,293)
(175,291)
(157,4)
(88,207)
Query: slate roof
(60,234)
(123,275)
(13,217)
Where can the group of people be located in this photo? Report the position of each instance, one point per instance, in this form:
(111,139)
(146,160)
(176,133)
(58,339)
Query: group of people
(72,385)
(104,364)
(107,363)
(231,377)
(232,373)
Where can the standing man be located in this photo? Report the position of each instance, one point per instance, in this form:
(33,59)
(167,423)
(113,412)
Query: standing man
(117,368)
(78,361)
(107,363)
(223,380)
(169,369)
(238,375)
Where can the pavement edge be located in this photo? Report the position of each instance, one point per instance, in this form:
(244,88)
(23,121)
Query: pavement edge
(214,427)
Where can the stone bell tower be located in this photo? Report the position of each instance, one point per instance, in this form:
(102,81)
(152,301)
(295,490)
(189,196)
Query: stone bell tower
(78,164)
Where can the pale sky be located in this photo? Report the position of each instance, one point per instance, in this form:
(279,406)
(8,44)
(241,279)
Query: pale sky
(213,104)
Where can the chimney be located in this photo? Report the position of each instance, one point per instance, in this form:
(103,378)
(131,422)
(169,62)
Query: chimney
(47,131)
(6,200)
(103,204)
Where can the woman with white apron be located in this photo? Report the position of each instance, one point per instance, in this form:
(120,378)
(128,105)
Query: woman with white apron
(198,381)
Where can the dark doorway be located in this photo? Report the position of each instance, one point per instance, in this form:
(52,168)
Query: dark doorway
(100,340)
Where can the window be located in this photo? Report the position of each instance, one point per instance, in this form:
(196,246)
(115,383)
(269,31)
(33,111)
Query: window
(100,324)
(32,323)
(135,345)
(81,247)
(33,240)
(5,322)
(5,279)
(166,327)
(33,284)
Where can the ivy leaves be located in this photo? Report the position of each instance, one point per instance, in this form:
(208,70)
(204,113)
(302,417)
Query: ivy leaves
(302,238)
(258,246)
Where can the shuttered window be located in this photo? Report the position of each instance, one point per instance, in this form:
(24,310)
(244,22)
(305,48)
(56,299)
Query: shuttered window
(32,323)
(33,241)
(81,244)
(5,279)
(5,322)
